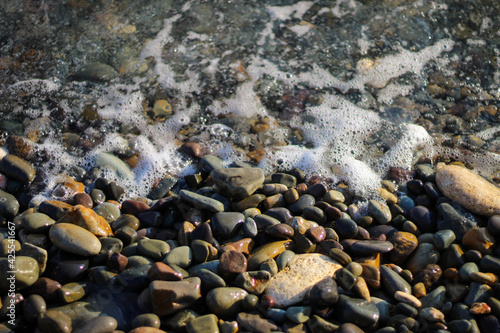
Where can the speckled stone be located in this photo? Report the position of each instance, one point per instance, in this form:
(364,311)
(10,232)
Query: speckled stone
(238,183)
(380,211)
(37,222)
(232,262)
(255,282)
(469,189)
(291,285)
(74,239)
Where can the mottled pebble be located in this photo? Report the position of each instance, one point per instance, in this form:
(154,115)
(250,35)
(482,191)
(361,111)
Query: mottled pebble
(238,183)
(169,297)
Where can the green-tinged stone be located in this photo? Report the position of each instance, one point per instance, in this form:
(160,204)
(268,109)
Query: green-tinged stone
(466,270)
(137,260)
(357,311)
(380,211)
(251,202)
(267,251)
(37,222)
(71,292)
(122,170)
(226,302)
(201,202)
(333,197)
(270,266)
(284,259)
(298,314)
(17,168)
(337,254)
(424,255)
(9,206)
(384,308)
(74,239)
(100,324)
(54,321)
(180,256)
(443,239)
(153,248)
(345,279)
(209,280)
(108,211)
(126,220)
(19,273)
(177,322)
(134,278)
(434,299)
(203,324)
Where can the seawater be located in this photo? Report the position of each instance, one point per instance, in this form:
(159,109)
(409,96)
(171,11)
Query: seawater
(336,71)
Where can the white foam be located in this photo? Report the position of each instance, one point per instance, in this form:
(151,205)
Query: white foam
(285,13)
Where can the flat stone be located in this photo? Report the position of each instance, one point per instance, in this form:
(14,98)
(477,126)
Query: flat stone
(135,278)
(404,244)
(380,211)
(17,168)
(469,189)
(324,293)
(226,302)
(346,228)
(443,238)
(424,255)
(109,211)
(155,249)
(201,201)
(267,251)
(146,319)
(209,280)
(181,256)
(291,285)
(87,219)
(367,247)
(71,292)
(74,239)
(393,282)
(357,311)
(35,252)
(226,224)
(169,297)
(423,218)
(253,322)
(238,183)
(232,262)
(37,222)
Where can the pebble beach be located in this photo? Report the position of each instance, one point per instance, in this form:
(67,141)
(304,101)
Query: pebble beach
(280,166)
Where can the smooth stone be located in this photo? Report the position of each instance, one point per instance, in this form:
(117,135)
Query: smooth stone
(280,230)
(108,211)
(9,206)
(251,202)
(37,222)
(319,325)
(304,201)
(232,262)
(253,322)
(33,306)
(284,259)
(459,326)
(225,302)
(371,247)
(393,282)
(263,221)
(120,168)
(267,251)
(423,218)
(203,324)
(226,224)
(333,196)
(345,279)
(466,270)
(349,328)
(449,218)
(277,315)
(404,244)
(161,271)
(479,239)
(74,239)
(384,307)
(490,263)
(298,314)
(87,219)
(109,245)
(211,162)
(135,278)
(435,299)
(17,168)
(71,292)
(244,245)
(406,203)
(357,311)
(202,251)
(181,256)
(284,178)
(250,228)
(291,286)
(201,202)
(314,214)
(340,256)
(163,188)
(270,266)
(146,319)
(324,293)
(238,183)
(117,262)
(424,255)
(469,189)
(494,225)
(177,322)
(478,292)
(380,211)
(443,239)
(100,324)
(429,276)
(169,297)
(255,282)
(431,314)
(280,213)
(137,260)
(126,220)
(54,321)
(209,280)
(66,267)
(203,232)
(346,228)
(153,248)
(408,299)
(25,271)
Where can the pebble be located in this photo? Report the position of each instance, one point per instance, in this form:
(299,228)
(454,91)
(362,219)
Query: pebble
(37,222)
(181,256)
(9,206)
(424,255)
(71,292)
(201,202)
(87,219)
(74,239)
(479,239)
(349,328)
(153,248)
(393,282)
(33,306)
(298,314)
(203,324)
(360,312)
(226,224)
(237,183)
(17,168)
(209,280)
(168,297)
(442,239)
(267,251)
(346,228)
(291,286)
(423,219)
(255,282)
(100,324)
(469,189)
(109,161)
(226,302)
(54,321)
(324,293)
(407,298)
(404,243)
(232,262)
(108,210)
(367,247)
(380,211)
(253,322)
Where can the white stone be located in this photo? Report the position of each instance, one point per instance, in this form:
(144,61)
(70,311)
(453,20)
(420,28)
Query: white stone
(291,285)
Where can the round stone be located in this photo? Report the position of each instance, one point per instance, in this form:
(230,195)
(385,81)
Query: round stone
(180,256)
(146,319)
(153,248)
(33,306)
(232,262)
(37,222)
(74,239)
(9,206)
(346,228)
(108,211)
(100,324)
(54,321)
(71,292)
(324,293)
(19,274)
(380,211)
(226,302)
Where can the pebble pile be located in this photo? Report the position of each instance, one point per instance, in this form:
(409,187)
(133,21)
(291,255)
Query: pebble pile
(234,250)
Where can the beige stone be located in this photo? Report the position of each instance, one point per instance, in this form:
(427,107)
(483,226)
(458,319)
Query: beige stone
(291,285)
(469,189)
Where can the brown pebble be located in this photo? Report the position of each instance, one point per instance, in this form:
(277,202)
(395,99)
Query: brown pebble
(193,149)
(244,245)
(316,233)
(404,244)
(479,239)
(487,278)
(291,196)
(232,262)
(44,287)
(301,188)
(117,261)
(83,199)
(161,271)
(480,308)
(267,301)
(419,290)
(429,276)
(361,288)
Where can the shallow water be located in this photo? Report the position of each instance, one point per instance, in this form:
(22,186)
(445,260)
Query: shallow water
(344,89)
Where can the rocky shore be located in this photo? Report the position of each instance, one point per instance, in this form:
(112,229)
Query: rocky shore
(230,249)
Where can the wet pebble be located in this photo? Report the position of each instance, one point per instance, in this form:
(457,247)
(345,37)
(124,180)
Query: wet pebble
(168,297)
(74,239)
(226,302)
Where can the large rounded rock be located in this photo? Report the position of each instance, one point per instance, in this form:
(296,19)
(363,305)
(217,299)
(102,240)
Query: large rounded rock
(469,189)
(20,273)
(9,206)
(226,302)
(17,168)
(88,219)
(74,239)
